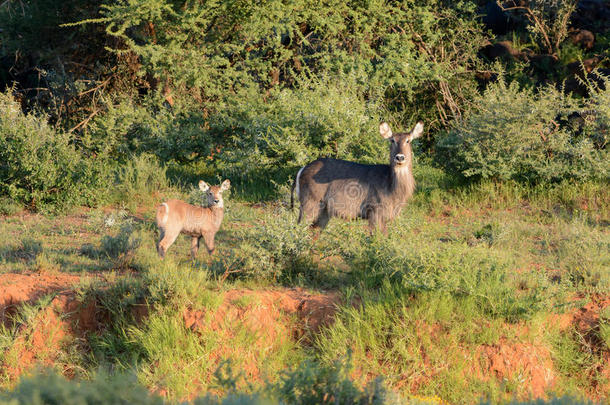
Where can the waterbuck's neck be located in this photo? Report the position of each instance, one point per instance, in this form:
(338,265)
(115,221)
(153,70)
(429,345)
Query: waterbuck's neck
(211,215)
(402,183)
(217,213)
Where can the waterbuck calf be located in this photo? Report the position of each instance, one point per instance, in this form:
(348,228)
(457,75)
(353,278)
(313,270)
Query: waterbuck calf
(175,217)
(329,188)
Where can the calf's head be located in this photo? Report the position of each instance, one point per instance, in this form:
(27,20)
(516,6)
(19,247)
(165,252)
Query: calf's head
(400,143)
(213,194)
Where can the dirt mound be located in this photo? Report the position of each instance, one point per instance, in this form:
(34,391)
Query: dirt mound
(39,341)
(260,310)
(269,318)
(586,321)
(16,289)
(527,364)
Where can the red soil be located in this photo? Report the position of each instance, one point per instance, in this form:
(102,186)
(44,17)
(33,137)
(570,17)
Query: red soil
(40,341)
(586,322)
(16,289)
(272,317)
(529,365)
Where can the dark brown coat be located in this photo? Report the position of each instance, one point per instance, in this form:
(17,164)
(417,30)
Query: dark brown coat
(329,188)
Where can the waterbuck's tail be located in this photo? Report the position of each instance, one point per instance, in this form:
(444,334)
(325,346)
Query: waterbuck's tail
(162,214)
(294,183)
(295,186)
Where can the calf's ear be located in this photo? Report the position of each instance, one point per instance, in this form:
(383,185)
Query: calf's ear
(203,186)
(385,130)
(225,185)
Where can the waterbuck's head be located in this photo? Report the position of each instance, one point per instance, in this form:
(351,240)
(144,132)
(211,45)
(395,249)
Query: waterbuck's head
(400,143)
(213,194)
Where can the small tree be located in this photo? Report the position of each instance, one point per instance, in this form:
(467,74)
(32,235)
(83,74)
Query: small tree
(547,20)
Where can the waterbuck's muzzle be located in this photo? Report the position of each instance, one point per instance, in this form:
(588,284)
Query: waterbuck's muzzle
(400,158)
(216,201)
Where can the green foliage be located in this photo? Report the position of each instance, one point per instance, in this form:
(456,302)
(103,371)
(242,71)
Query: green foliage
(604,327)
(417,268)
(8,206)
(329,386)
(56,70)
(141,175)
(40,167)
(30,248)
(410,53)
(553,401)
(513,133)
(119,249)
(276,248)
(311,383)
(54,389)
(292,127)
(597,116)
(127,129)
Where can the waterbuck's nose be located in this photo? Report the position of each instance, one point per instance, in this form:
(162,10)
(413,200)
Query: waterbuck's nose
(400,158)
(216,201)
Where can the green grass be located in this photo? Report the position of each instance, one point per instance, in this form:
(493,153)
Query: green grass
(465,266)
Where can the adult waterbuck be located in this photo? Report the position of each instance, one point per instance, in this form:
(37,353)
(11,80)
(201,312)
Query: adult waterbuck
(175,217)
(329,188)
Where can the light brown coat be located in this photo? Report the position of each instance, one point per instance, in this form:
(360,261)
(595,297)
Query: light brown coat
(175,217)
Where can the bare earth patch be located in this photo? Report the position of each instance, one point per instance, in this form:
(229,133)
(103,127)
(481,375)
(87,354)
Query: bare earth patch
(16,289)
(271,318)
(528,364)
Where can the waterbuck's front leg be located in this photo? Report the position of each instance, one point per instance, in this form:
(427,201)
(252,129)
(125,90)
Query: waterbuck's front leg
(195,246)
(208,239)
(377,222)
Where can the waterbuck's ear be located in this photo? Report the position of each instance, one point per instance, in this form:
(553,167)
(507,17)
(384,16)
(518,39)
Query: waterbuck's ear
(385,131)
(203,186)
(418,131)
(225,185)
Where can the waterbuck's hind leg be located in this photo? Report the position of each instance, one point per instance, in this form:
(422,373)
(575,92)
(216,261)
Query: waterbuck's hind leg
(161,236)
(310,210)
(322,220)
(168,239)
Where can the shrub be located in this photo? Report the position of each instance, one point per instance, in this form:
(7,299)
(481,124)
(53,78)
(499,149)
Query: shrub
(40,167)
(127,129)
(413,54)
(141,175)
(308,384)
(8,206)
(120,249)
(597,113)
(513,133)
(311,383)
(327,118)
(54,389)
(547,21)
(275,247)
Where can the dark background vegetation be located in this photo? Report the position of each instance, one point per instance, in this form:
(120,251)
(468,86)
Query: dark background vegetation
(242,88)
